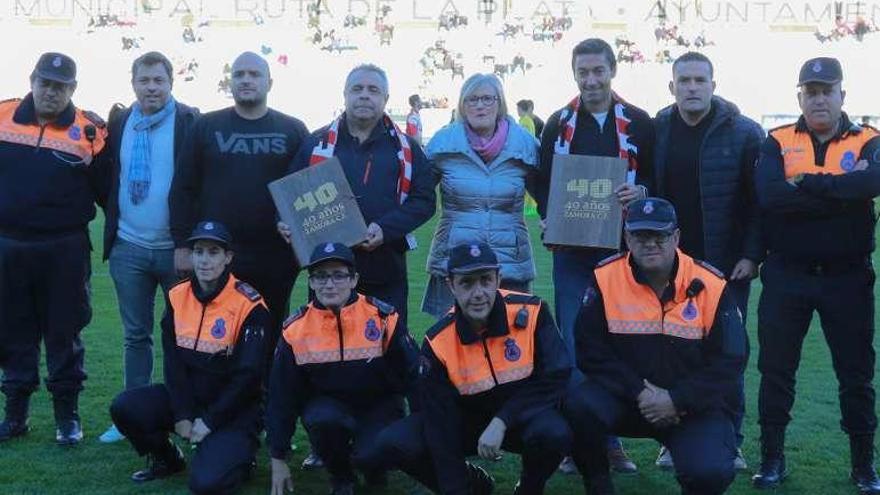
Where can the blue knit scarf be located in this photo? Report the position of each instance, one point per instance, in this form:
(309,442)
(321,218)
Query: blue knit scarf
(139,172)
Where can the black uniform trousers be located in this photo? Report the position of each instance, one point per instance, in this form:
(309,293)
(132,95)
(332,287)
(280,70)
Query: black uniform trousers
(222,461)
(842,293)
(542,442)
(345,437)
(703,445)
(44,293)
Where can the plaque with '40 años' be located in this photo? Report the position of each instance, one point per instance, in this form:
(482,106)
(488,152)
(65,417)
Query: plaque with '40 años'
(582,209)
(318,205)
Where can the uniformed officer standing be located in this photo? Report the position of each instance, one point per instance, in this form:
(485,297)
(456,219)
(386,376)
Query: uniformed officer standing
(213,337)
(493,373)
(816,180)
(47,194)
(343,364)
(661,342)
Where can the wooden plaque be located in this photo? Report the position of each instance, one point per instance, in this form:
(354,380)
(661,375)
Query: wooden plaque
(318,205)
(582,209)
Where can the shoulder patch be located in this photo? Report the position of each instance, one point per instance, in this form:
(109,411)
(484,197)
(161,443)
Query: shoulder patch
(522,299)
(248,291)
(297,314)
(384,308)
(440,325)
(94,118)
(712,269)
(612,258)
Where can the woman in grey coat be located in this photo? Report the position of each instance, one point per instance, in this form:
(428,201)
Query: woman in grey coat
(485,162)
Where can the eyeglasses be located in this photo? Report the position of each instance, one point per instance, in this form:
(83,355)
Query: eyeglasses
(659,238)
(321,278)
(486,100)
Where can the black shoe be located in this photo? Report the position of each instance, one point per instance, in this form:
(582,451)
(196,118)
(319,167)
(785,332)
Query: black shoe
(481,482)
(161,466)
(771,473)
(342,488)
(68,432)
(599,485)
(620,461)
(866,480)
(12,428)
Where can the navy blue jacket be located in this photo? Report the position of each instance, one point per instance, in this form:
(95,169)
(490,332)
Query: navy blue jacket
(731,217)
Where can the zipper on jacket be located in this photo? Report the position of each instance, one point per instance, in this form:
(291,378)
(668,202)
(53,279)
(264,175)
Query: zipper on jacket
(40,139)
(199,332)
(341,341)
(489,360)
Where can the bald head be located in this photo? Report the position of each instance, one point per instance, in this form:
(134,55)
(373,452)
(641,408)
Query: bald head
(251,81)
(251,59)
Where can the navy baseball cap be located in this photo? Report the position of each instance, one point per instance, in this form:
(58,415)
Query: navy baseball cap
(56,67)
(650,214)
(471,257)
(213,231)
(822,70)
(331,251)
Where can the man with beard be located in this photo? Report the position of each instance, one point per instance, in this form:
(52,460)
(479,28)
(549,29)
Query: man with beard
(229,158)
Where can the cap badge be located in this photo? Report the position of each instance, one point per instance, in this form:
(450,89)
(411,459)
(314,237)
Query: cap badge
(329,248)
(56,62)
(475,251)
(209,225)
(817,66)
(649,208)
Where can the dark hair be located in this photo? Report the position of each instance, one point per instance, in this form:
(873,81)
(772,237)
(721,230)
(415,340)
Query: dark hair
(152,58)
(694,57)
(594,46)
(523,105)
(413,99)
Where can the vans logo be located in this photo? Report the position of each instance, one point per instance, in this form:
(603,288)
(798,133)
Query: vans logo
(252,144)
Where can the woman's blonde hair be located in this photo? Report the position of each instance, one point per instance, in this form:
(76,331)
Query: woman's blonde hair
(472,84)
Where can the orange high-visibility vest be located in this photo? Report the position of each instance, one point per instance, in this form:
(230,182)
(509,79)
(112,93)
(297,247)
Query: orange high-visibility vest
(71,140)
(482,366)
(212,327)
(362,331)
(634,308)
(799,157)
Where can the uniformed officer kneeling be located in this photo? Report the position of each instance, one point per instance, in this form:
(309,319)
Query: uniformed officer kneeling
(344,364)
(493,373)
(662,345)
(214,351)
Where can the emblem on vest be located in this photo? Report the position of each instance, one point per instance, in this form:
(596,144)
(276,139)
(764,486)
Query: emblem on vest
(219,328)
(74,133)
(371,332)
(511,350)
(848,162)
(689,313)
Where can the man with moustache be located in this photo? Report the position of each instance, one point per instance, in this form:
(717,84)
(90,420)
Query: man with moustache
(137,168)
(816,182)
(48,188)
(229,158)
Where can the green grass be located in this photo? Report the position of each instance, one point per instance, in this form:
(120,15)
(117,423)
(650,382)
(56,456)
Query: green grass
(817,449)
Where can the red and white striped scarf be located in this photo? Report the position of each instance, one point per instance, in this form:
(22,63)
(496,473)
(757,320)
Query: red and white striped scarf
(325,150)
(628,150)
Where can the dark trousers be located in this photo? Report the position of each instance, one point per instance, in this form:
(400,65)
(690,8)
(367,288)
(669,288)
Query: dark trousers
(542,442)
(222,460)
(845,303)
(740,289)
(702,445)
(44,294)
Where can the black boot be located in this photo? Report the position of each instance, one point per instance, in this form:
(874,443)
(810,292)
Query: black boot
(16,422)
(161,464)
(863,475)
(772,471)
(480,481)
(68,429)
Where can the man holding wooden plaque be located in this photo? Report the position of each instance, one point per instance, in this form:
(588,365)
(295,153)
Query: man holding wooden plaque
(597,123)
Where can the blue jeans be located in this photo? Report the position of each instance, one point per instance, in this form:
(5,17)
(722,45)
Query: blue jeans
(136,273)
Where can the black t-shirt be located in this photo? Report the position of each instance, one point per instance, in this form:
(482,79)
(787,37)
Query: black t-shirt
(682,178)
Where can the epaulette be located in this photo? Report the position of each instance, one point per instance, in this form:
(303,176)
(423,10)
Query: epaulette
(522,299)
(869,126)
(384,308)
(94,118)
(299,313)
(248,291)
(613,257)
(440,325)
(707,266)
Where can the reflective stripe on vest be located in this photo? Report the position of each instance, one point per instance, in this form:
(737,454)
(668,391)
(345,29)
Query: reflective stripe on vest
(71,140)
(799,157)
(365,334)
(634,309)
(511,357)
(217,329)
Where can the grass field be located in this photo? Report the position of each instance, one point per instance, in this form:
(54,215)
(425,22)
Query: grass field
(817,450)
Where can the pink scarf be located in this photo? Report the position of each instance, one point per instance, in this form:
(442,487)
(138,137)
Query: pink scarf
(489,148)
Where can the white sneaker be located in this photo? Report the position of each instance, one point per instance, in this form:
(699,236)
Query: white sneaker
(112,435)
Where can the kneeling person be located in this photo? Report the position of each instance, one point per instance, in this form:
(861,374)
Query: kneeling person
(493,373)
(344,364)
(214,352)
(662,345)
